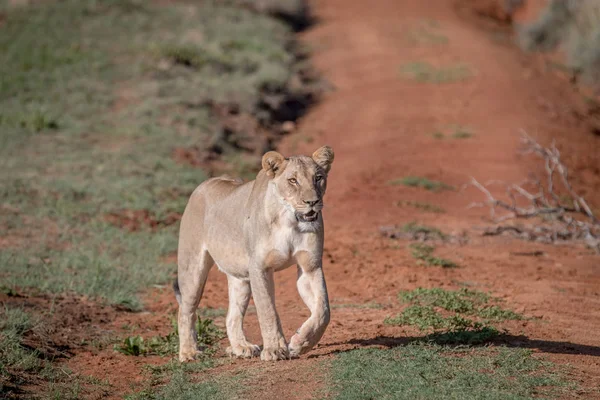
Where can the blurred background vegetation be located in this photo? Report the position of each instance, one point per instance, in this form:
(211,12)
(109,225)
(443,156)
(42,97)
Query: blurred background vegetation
(573,26)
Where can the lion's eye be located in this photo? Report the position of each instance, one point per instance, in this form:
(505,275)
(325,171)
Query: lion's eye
(293,181)
(318,178)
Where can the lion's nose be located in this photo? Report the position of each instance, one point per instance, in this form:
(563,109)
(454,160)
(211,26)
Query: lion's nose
(311,202)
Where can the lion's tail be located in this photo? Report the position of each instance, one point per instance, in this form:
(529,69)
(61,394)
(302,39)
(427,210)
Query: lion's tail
(176,290)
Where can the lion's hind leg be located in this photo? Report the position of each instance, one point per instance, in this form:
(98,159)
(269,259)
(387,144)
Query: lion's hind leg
(191,278)
(239,297)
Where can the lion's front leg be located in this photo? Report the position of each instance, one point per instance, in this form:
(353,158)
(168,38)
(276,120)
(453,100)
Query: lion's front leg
(313,290)
(239,297)
(263,291)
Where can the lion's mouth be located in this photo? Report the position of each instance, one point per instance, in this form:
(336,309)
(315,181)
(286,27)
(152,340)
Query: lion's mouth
(310,216)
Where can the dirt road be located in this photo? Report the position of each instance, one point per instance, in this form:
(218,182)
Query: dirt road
(380,125)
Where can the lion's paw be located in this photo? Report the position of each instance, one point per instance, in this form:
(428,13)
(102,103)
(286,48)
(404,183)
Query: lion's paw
(298,346)
(274,354)
(247,350)
(189,355)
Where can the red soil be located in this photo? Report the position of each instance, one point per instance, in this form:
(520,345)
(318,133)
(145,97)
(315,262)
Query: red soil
(380,125)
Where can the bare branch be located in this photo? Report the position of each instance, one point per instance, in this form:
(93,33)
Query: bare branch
(559,210)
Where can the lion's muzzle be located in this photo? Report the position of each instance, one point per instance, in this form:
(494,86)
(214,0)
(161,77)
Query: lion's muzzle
(309,216)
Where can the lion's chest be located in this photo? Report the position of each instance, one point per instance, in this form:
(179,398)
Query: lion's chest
(283,247)
(276,251)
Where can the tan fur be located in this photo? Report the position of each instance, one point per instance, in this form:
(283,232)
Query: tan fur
(250,230)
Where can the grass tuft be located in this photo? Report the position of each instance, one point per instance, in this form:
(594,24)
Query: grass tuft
(422,317)
(461,134)
(479,334)
(430,231)
(208,335)
(461,316)
(428,207)
(421,182)
(497,313)
(461,301)
(453,329)
(454,131)
(424,72)
(424,253)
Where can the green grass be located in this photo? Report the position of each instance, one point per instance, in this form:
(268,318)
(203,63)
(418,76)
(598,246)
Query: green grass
(461,316)
(429,371)
(91,112)
(181,387)
(104,261)
(175,380)
(453,131)
(454,329)
(461,301)
(497,313)
(15,359)
(424,72)
(462,134)
(426,317)
(440,364)
(476,334)
(208,336)
(22,364)
(421,182)
(430,231)
(427,207)
(424,253)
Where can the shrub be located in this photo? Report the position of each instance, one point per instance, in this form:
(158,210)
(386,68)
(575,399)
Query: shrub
(574,24)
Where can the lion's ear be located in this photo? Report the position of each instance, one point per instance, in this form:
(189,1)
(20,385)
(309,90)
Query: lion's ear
(271,162)
(324,157)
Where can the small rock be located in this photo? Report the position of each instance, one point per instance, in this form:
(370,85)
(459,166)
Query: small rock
(288,127)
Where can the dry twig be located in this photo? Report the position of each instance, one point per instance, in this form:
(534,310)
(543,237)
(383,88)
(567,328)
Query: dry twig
(566,215)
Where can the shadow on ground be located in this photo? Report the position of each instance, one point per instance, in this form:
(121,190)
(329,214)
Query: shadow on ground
(521,341)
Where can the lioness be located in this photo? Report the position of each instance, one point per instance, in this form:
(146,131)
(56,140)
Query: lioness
(250,230)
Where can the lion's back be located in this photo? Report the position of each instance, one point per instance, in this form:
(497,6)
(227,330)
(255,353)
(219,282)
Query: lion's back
(221,189)
(218,202)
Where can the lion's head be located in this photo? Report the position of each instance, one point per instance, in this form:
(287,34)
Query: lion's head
(300,180)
